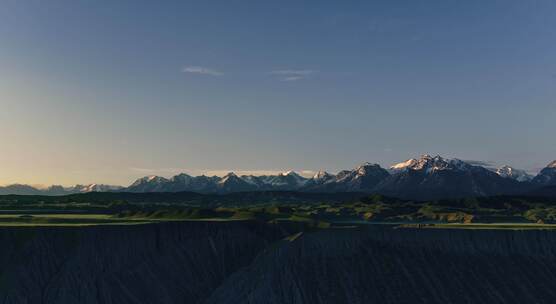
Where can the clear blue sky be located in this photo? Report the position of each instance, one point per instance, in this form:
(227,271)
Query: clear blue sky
(106,91)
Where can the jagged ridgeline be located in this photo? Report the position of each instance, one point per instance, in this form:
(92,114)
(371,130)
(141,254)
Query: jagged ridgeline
(426,177)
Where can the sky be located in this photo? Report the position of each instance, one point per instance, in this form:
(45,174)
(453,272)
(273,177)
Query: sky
(109,91)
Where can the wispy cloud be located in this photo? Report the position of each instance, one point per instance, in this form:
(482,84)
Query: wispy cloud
(292,75)
(201,70)
(293,72)
(488,164)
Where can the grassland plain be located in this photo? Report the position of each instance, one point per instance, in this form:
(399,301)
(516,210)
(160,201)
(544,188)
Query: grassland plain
(313,210)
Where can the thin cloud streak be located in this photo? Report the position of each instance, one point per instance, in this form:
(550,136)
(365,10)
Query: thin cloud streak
(487,164)
(292,75)
(292,78)
(201,70)
(293,72)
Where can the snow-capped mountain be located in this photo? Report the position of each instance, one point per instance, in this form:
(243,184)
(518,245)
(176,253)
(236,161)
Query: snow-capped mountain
(19,189)
(547,176)
(429,164)
(285,181)
(92,188)
(361,179)
(151,183)
(436,177)
(209,184)
(233,183)
(320,178)
(518,175)
(425,177)
(403,165)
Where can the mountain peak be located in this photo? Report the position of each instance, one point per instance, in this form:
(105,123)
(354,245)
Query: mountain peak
(364,168)
(230,177)
(430,164)
(182,175)
(152,179)
(290,173)
(408,163)
(510,172)
(368,164)
(428,157)
(288,180)
(547,176)
(181,178)
(322,175)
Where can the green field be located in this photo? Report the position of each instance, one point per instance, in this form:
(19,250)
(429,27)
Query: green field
(310,210)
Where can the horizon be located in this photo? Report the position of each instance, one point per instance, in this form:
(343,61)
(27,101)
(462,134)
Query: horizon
(171,172)
(102,93)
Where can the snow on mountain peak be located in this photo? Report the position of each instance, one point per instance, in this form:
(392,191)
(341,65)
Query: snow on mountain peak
(403,165)
(149,179)
(289,173)
(552,165)
(288,177)
(430,164)
(362,169)
(91,188)
(509,172)
(228,177)
(322,175)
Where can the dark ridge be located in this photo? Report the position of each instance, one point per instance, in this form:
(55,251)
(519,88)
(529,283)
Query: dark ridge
(239,198)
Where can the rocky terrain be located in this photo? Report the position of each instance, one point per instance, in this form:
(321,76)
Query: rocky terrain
(248,262)
(162,263)
(402,266)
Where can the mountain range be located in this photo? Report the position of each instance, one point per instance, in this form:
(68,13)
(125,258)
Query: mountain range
(20,189)
(425,177)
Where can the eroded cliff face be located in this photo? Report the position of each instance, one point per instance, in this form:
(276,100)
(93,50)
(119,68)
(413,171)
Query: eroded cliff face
(158,263)
(401,266)
(247,262)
